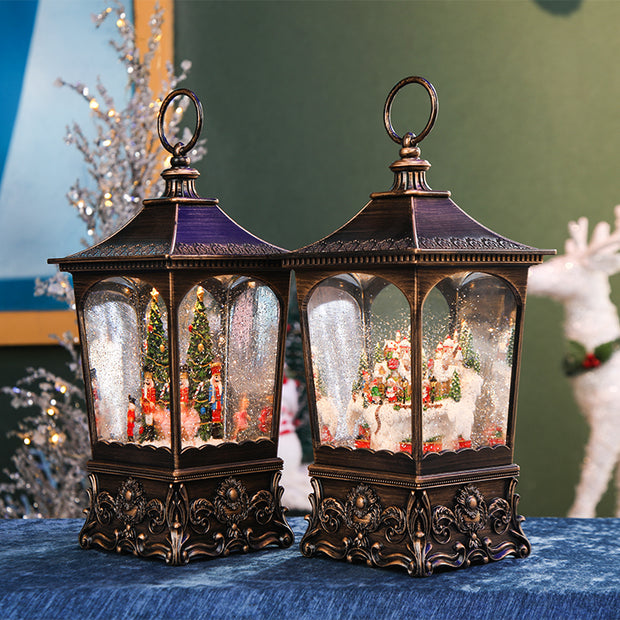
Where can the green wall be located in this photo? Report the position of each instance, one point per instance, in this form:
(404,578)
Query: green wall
(526,140)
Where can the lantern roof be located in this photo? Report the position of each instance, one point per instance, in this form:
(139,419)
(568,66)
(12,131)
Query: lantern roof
(411,220)
(179,225)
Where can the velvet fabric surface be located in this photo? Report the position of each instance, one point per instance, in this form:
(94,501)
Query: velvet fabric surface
(573,572)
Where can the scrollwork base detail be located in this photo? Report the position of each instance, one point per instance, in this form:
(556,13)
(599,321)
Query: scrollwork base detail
(416,535)
(180,528)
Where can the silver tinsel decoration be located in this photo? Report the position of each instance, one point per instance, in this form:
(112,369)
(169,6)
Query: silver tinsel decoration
(123,161)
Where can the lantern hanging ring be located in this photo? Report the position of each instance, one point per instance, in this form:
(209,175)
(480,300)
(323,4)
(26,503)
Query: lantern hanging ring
(179,149)
(410,139)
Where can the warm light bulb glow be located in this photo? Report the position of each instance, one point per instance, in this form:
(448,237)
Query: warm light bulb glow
(94,104)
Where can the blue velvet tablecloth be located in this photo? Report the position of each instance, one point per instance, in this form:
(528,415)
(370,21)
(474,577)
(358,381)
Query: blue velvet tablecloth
(573,572)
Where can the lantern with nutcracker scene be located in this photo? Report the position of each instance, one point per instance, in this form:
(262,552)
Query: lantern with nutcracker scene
(412,315)
(182,317)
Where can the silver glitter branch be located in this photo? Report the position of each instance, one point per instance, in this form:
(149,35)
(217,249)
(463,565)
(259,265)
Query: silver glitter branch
(123,161)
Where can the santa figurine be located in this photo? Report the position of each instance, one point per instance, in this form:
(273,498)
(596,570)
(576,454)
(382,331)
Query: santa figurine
(215,399)
(391,391)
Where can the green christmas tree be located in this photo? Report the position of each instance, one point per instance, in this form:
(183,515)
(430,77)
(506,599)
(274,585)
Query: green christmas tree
(199,359)
(511,347)
(361,371)
(455,387)
(471,359)
(156,357)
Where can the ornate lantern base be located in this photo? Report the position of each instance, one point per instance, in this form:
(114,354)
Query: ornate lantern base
(196,515)
(435,522)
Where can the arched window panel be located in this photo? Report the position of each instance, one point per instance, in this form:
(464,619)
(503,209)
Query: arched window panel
(201,346)
(127,334)
(228,352)
(364,396)
(468,335)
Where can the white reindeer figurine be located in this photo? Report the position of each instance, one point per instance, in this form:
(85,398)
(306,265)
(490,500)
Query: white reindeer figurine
(579,279)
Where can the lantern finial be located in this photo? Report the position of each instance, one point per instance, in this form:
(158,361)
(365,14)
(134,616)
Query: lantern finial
(180,177)
(410,169)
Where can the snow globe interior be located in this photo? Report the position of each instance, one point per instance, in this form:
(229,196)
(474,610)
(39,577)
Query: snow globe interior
(468,348)
(127,334)
(361,362)
(228,350)
(360,349)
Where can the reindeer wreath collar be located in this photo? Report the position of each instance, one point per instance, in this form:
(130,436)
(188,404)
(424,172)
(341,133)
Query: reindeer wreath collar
(578,361)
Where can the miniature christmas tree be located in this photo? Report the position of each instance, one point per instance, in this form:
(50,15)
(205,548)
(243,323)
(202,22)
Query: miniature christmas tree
(455,387)
(156,350)
(199,360)
(363,377)
(471,359)
(511,347)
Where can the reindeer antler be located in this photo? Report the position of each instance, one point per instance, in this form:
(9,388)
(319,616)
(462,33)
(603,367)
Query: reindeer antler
(602,241)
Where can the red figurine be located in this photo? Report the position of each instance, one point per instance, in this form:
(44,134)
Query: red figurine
(264,420)
(147,403)
(240,418)
(131,418)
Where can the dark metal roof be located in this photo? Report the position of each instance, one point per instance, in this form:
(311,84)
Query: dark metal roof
(411,218)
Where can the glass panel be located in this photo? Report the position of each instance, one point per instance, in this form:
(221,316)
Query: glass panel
(229,352)
(126,332)
(361,362)
(468,335)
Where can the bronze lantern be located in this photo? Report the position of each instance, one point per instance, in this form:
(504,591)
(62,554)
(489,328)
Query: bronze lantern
(182,318)
(412,315)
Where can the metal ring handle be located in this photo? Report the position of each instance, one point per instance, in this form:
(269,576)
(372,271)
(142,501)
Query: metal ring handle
(179,149)
(387,111)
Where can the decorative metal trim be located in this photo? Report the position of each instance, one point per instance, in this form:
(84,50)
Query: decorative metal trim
(226,249)
(434,481)
(179,530)
(174,262)
(470,243)
(420,256)
(471,517)
(419,538)
(124,250)
(359,245)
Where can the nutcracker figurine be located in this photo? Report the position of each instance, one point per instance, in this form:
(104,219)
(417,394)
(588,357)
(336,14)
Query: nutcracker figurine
(148,405)
(215,399)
